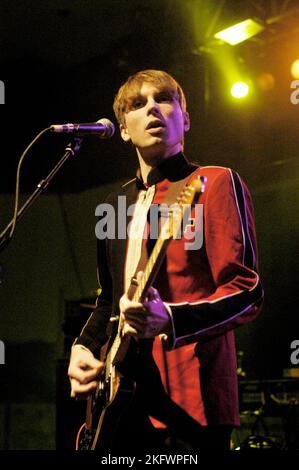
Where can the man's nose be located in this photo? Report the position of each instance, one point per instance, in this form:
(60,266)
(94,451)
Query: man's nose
(152,105)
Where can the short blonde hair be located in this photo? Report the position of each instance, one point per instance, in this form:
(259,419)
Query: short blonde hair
(129,90)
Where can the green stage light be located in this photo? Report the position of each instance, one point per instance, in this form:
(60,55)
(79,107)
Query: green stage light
(240,32)
(239,90)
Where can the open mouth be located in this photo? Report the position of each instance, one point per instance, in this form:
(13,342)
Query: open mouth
(155,125)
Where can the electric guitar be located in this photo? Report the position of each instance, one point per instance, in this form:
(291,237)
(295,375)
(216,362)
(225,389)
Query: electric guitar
(116,389)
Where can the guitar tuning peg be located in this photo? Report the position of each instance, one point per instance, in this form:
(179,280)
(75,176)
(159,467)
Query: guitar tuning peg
(203,180)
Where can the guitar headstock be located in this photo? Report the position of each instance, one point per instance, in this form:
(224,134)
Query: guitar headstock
(175,215)
(187,195)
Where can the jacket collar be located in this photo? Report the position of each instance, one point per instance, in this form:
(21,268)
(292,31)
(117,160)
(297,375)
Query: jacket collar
(173,168)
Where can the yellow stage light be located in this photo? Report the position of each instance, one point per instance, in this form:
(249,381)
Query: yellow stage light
(240,32)
(265,81)
(295,69)
(239,90)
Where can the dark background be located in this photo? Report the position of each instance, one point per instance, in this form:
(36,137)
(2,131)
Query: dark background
(63,61)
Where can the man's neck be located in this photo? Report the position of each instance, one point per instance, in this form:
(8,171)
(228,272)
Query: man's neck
(145,169)
(148,164)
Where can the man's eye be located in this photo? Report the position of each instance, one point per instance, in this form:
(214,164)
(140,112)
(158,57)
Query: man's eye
(137,104)
(164,97)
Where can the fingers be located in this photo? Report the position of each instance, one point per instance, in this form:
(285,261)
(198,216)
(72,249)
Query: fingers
(146,319)
(128,306)
(91,362)
(130,330)
(136,321)
(152,295)
(81,353)
(140,328)
(82,371)
(83,376)
(83,366)
(79,390)
(82,383)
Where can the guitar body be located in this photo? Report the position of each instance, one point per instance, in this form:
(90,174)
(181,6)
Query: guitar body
(110,416)
(105,413)
(105,407)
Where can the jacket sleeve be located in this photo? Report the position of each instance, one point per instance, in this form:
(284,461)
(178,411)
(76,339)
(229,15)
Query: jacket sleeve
(231,251)
(94,333)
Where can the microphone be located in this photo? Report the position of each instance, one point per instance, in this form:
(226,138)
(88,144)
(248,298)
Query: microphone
(102,128)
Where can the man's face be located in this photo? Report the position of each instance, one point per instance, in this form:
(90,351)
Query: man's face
(155,123)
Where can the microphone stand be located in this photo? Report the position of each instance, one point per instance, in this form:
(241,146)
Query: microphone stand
(71,149)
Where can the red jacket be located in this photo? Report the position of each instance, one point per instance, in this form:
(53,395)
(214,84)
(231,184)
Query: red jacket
(210,291)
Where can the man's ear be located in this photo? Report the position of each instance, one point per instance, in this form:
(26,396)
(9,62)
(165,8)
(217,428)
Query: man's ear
(124,133)
(186,121)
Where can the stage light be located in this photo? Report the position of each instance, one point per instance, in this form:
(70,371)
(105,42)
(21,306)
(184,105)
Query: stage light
(239,90)
(240,32)
(295,69)
(265,81)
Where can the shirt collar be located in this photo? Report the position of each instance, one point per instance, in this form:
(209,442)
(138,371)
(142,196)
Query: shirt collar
(173,168)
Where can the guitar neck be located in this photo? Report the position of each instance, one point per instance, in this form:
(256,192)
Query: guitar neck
(121,343)
(151,269)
